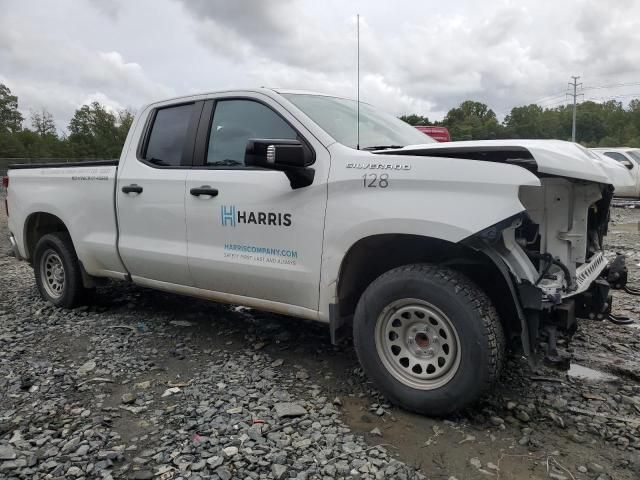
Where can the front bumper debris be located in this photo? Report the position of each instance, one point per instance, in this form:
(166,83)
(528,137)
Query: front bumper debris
(594,302)
(618,276)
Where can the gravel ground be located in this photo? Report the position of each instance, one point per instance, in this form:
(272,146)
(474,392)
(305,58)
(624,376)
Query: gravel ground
(143,384)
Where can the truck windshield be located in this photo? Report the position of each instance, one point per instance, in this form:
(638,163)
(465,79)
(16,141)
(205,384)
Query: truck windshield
(338,117)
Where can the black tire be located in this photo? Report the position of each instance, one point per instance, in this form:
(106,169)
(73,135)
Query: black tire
(58,246)
(478,331)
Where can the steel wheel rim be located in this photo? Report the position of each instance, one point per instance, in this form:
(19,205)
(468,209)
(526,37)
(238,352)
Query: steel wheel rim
(52,273)
(417,343)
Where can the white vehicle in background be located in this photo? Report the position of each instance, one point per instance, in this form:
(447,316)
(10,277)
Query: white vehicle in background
(630,158)
(435,256)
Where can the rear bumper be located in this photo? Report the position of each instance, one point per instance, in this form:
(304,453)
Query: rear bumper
(14,247)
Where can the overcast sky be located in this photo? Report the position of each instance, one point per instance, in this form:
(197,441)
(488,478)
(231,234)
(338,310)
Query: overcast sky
(416,56)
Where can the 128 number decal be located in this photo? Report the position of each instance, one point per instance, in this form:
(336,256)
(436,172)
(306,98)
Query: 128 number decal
(372,180)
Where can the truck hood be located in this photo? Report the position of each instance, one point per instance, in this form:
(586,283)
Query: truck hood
(551,157)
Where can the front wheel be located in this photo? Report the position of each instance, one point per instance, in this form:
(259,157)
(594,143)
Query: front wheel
(428,338)
(57,270)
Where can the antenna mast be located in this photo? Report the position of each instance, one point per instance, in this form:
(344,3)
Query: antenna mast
(358,81)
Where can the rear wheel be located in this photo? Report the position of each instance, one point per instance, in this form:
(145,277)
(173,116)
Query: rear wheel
(428,338)
(57,270)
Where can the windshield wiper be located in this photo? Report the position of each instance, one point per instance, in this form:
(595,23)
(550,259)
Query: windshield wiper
(381,147)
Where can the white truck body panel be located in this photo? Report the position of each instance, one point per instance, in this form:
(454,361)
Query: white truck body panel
(627,184)
(304,205)
(153,237)
(429,197)
(82,197)
(245,256)
(172,240)
(553,157)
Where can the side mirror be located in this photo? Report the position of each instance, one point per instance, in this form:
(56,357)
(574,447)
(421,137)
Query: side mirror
(627,163)
(277,154)
(289,156)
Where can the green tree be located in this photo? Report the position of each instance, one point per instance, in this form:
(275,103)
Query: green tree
(526,122)
(633,124)
(43,124)
(94,132)
(125,119)
(415,119)
(590,123)
(10,117)
(472,121)
(11,146)
(615,119)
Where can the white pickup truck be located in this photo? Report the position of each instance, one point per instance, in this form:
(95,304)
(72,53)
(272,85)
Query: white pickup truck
(435,256)
(630,158)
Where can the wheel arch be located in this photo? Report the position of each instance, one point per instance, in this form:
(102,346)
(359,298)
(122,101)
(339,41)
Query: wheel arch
(37,225)
(371,256)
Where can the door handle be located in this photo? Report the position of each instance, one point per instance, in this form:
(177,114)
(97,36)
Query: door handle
(204,190)
(133,188)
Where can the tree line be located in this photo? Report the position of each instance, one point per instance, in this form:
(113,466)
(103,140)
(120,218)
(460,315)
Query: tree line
(607,124)
(96,132)
(93,132)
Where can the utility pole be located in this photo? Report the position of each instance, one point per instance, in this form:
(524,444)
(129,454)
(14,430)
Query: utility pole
(575,94)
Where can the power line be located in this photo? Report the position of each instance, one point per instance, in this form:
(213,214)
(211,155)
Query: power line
(551,100)
(558,102)
(549,97)
(554,101)
(613,85)
(563,99)
(612,97)
(600,79)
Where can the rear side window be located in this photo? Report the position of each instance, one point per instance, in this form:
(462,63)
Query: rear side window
(616,156)
(234,123)
(168,134)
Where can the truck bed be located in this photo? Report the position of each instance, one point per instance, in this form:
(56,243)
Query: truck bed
(78,194)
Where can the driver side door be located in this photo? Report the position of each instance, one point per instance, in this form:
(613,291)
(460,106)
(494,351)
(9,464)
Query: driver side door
(254,236)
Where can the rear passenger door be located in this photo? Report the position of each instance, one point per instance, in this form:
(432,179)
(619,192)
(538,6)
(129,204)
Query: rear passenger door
(257,237)
(150,195)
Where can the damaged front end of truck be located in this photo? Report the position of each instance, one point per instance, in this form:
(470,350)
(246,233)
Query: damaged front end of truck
(552,254)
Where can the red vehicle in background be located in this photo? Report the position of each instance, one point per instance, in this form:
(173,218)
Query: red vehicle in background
(439,134)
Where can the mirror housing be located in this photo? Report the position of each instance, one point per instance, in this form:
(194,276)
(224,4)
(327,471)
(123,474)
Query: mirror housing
(277,154)
(289,156)
(627,163)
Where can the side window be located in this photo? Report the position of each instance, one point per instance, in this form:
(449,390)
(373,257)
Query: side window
(616,156)
(168,135)
(234,123)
